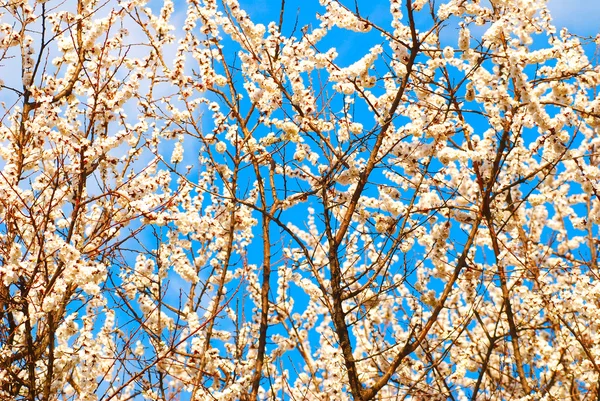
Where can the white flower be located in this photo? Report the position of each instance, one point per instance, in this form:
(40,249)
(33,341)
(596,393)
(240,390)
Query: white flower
(356,128)
(299,155)
(177,155)
(464,38)
(470,93)
(448,52)
(139,348)
(402,53)
(221,147)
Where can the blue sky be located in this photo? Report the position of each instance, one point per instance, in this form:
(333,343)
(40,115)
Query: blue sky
(580,16)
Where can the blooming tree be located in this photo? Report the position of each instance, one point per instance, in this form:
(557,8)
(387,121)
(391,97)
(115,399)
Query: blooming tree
(394,202)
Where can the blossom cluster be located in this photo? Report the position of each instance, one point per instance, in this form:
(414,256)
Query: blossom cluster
(197,204)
